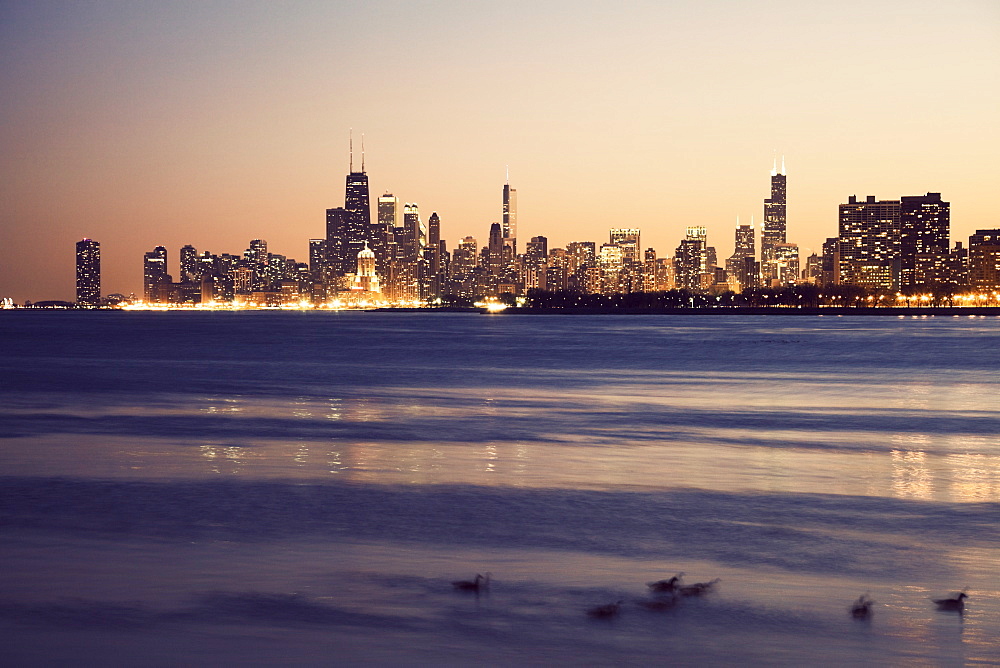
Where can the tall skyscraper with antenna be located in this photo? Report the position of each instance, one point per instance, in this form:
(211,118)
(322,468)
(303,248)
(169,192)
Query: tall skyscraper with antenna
(349,229)
(773,232)
(509,225)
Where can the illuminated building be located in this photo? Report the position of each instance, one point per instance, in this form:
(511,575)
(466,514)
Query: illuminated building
(88,273)
(924,226)
(366,278)
(154,273)
(869,243)
(384,237)
(786,264)
(628,240)
(739,271)
(691,261)
(509,225)
(984,260)
(773,232)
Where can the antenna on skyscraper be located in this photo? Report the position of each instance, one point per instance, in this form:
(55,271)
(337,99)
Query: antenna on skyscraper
(782,164)
(363,153)
(351,149)
(507,178)
(751,221)
(774,166)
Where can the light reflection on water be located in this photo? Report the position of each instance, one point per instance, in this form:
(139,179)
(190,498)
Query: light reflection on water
(803,464)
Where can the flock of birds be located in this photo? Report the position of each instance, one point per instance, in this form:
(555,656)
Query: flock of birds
(666,594)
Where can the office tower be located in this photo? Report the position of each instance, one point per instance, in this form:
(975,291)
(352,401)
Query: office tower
(88,273)
(869,243)
(257,256)
(924,226)
(691,260)
(611,261)
(339,226)
(495,250)
(773,232)
(984,260)
(814,269)
(744,272)
(189,263)
(384,241)
(434,242)
(414,231)
(509,223)
(786,264)
(465,258)
(738,269)
(628,239)
(154,274)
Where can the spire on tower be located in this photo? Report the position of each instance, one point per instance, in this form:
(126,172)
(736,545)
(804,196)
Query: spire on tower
(774,166)
(351,150)
(783,164)
(751,221)
(507,178)
(363,154)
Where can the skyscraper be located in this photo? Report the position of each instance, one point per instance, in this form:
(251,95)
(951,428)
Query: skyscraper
(154,273)
(383,239)
(773,232)
(509,225)
(741,266)
(358,232)
(88,273)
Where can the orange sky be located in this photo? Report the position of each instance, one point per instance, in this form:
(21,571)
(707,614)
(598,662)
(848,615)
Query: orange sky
(145,124)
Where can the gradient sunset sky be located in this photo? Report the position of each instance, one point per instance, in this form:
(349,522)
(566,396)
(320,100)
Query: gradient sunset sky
(213,123)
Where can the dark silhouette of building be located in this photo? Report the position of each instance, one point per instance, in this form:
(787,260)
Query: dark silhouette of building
(88,273)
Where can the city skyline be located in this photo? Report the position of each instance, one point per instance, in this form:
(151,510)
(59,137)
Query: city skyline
(213,126)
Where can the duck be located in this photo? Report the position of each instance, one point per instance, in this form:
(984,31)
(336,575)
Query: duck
(862,608)
(477,584)
(698,588)
(605,611)
(955,603)
(668,585)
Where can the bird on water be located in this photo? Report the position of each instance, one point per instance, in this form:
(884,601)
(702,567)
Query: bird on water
(955,602)
(862,608)
(477,584)
(665,586)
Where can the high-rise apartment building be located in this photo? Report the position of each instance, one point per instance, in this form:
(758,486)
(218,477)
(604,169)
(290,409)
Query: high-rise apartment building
(868,243)
(924,237)
(88,273)
(774,230)
(984,260)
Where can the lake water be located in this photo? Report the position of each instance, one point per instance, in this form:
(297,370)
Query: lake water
(265,488)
